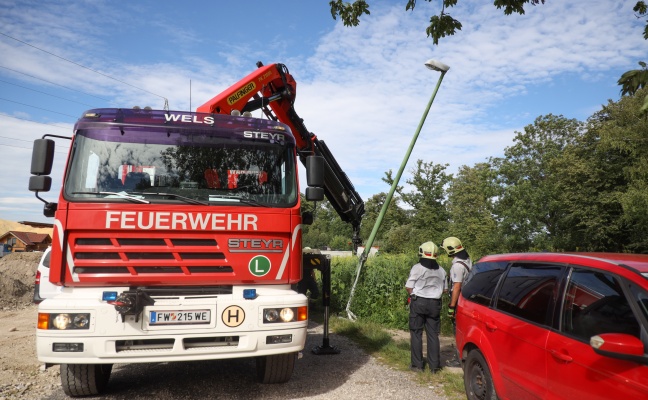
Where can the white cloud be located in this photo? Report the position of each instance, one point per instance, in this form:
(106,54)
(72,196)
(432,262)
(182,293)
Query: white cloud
(362,90)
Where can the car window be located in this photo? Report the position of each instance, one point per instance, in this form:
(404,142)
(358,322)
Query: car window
(641,297)
(595,304)
(46,259)
(529,291)
(482,281)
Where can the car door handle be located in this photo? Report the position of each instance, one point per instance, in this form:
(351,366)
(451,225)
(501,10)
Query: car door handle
(561,356)
(491,326)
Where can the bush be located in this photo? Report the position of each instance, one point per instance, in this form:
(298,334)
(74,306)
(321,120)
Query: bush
(380,294)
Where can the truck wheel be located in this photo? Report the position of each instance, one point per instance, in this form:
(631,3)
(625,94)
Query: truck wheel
(275,369)
(477,378)
(84,379)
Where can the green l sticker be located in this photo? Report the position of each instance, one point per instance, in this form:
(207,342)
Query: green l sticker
(259,265)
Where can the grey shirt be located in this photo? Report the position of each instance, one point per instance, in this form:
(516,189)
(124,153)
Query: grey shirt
(460,269)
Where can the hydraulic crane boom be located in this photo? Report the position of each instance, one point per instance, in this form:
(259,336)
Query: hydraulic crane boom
(272,89)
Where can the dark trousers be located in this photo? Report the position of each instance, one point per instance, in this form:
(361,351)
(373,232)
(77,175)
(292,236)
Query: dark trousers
(425,313)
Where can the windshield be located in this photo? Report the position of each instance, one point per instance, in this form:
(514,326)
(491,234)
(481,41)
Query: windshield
(197,166)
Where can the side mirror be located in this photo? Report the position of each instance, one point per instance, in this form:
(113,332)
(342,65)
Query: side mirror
(49,209)
(40,183)
(41,166)
(307,218)
(315,171)
(314,193)
(619,345)
(42,157)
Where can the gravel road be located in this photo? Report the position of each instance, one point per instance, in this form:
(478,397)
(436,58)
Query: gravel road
(351,374)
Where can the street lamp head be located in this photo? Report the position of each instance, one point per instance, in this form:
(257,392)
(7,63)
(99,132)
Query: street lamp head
(435,65)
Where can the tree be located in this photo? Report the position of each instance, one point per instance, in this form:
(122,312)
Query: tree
(427,199)
(587,178)
(395,216)
(623,132)
(529,204)
(327,224)
(471,206)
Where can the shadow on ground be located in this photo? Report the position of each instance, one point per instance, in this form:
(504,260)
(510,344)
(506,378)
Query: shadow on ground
(232,379)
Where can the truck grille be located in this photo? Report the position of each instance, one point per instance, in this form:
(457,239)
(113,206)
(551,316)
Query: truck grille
(167,345)
(145,256)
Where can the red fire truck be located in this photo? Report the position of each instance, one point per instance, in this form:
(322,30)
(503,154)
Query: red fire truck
(178,234)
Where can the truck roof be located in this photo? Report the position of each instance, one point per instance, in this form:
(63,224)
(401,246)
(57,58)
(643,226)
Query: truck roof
(176,119)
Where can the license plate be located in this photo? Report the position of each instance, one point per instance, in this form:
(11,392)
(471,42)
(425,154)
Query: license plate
(179,317)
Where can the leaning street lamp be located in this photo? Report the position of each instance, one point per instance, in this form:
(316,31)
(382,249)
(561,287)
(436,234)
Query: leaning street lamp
(435,66)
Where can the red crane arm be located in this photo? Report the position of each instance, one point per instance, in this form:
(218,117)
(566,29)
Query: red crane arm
(278,90)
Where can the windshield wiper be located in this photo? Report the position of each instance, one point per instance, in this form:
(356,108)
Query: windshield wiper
(245,200)
(121,195)
(179,197)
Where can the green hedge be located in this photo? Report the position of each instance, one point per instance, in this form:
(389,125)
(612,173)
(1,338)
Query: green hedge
(380,294)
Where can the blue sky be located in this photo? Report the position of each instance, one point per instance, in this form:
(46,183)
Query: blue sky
(360,89)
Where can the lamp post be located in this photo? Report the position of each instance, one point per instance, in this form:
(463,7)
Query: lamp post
(435,66)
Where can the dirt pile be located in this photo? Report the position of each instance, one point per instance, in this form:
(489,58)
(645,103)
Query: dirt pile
(17,274)
(6,226)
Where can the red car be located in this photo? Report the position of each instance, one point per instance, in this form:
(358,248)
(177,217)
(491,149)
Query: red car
(555,326)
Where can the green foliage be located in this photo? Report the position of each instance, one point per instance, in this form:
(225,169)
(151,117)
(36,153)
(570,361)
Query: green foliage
(380,296)
(403,239)
(428,197)
(441,26)
(327,227)
(623,134)
(514,6)
(471,205)
(563,185)
(641,10)
(633,80)
(529,205)
(349,13)
(394,216)
(340,242)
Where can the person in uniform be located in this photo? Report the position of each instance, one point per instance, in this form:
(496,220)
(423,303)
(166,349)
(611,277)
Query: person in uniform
(461,265)
(425,285)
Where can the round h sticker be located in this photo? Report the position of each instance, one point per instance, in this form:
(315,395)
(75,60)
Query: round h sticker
(259,265)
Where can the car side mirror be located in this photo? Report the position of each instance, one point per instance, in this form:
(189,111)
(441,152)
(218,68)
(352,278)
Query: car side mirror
(619,345)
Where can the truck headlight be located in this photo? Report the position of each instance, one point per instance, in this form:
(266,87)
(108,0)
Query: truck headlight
(63,321)
(285,314)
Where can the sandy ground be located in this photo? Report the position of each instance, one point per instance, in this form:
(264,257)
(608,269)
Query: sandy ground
(21,375)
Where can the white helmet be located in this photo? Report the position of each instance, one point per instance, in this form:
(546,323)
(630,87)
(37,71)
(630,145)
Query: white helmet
(428,250)
(452,245)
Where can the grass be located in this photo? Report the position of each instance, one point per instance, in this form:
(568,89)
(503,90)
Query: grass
(378,342)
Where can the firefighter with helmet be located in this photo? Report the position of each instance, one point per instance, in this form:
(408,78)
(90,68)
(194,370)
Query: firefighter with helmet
(461,265)
(425,286)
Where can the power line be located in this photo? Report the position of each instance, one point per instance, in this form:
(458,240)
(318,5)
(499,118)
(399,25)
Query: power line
(17,147)
(21,140)
(53,83)
(44,109)
(28,148)
(47,94)
(166,101)
(36,122)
